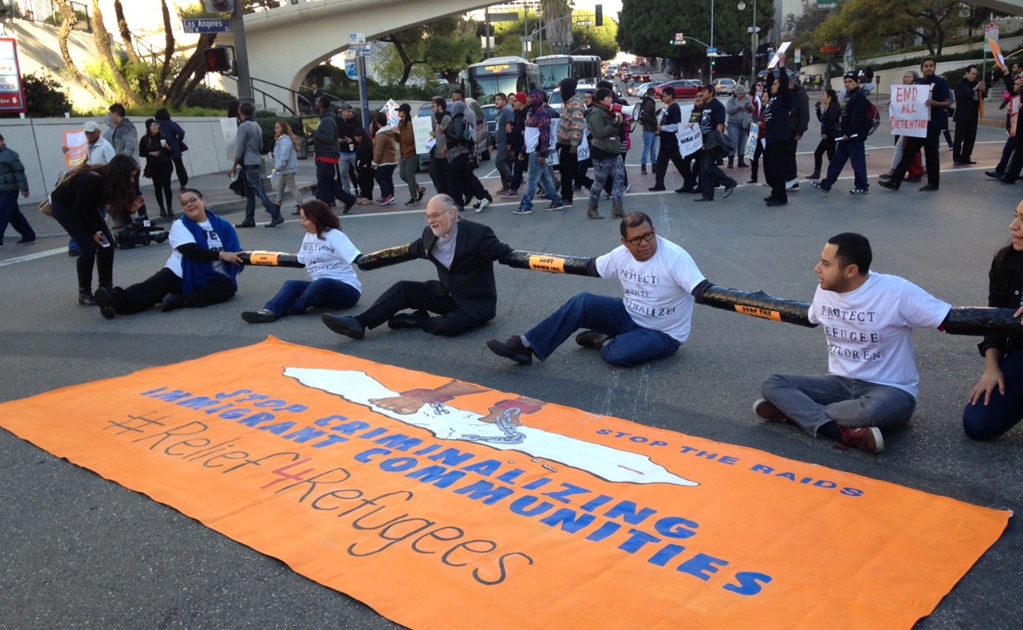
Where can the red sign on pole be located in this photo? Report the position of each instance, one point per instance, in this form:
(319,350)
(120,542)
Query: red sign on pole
(12,93)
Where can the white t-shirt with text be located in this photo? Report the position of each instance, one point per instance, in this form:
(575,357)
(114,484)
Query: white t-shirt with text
(870,330)
(179,235)
(658,291)
(330,256)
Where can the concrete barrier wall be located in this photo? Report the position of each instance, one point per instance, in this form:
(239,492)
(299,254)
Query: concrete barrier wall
(39,142)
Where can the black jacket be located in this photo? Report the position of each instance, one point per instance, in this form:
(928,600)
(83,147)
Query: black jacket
(854,114)
(1005,290)
(346,129)
(799,118)
(778,109)
(829,121)
(470,281)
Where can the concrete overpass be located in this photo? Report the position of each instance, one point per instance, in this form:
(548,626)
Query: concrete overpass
(286,42)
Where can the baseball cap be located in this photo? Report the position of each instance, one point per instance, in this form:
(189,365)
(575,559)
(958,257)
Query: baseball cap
(345,107)
(91,126)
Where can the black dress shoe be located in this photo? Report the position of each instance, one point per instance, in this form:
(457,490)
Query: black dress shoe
(277,220)
(1006,180)
(347,326)
(656,188)
(775,202)
(684,190)
(886,183)
(85,297)
(106,300)
(994,174)
(929,188)
(245,224)
(408,320)
(511,348)
(591,339)
(702,199)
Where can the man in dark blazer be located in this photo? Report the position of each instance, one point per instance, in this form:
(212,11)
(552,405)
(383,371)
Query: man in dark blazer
(463,297)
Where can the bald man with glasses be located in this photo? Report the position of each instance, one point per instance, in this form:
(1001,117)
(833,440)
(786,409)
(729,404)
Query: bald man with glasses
(650,322)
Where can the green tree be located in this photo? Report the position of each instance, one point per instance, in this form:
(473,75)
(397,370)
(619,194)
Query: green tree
(444,46)
(871,25)
(647,28)
(602,40)
(44,97)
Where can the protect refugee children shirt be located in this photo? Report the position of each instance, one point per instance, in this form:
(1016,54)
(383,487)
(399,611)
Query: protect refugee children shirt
(330,257)
(870,330)
(179,235)
(658,292)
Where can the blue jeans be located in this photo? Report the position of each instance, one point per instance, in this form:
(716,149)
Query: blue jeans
(253,189)
(347,161)
(982,422)
(851,150)
(630,343)
(649,147)
(298,295)
(739,135)
(11,213)
(813,401)
(539,174)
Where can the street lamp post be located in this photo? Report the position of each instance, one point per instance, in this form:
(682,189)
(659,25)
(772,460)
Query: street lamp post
(754,40)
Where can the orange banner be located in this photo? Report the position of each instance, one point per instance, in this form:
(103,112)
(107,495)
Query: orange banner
(444,504)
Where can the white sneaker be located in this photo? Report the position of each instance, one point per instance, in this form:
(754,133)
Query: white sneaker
(482,205)
(792,184)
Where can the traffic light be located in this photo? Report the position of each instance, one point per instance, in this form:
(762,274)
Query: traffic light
(219,59)
(598,18)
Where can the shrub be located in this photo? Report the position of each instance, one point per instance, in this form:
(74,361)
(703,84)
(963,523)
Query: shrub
(210,98)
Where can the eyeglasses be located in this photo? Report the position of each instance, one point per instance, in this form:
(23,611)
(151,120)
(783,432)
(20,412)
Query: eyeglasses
(189,201)
(636,240)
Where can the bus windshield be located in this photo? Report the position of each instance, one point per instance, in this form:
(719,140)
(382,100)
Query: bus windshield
(505,75)
(553,71)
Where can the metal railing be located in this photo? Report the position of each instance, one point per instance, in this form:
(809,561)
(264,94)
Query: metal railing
(46,12)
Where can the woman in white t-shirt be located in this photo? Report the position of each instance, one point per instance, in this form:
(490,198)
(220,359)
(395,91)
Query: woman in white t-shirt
(327,254)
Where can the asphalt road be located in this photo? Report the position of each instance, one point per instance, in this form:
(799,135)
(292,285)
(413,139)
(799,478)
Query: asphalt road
(78,551)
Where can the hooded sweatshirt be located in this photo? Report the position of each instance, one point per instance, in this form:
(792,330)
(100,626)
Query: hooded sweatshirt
(539,119)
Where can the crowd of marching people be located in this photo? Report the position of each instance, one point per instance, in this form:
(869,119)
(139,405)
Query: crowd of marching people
(541,152)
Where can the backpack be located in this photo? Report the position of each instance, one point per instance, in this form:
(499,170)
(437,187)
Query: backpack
(874,115)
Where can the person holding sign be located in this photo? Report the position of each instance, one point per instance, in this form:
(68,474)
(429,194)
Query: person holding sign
(659,279)
(855,123)
(868,321)
(776,136)
(938,103)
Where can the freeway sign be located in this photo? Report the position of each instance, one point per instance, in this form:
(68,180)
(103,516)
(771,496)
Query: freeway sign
(712,51)
(207,25)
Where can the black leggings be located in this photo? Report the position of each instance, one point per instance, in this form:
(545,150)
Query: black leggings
(162,186)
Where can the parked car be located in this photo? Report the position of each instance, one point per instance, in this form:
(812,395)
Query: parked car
(724,86)
(684,88)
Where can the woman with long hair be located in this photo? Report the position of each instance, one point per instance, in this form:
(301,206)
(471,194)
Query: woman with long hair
(385,158)
(156,149)
(285,164)
(364,165)
(830,130)
(996,401)
(176,139)
(408,164)
(77,203)
(328,255)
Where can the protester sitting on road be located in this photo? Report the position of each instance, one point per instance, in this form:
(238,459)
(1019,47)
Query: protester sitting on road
(652,320)
(996,401)
(201,270)
(327,254)
(462,298)
(78,203)
(868,321)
